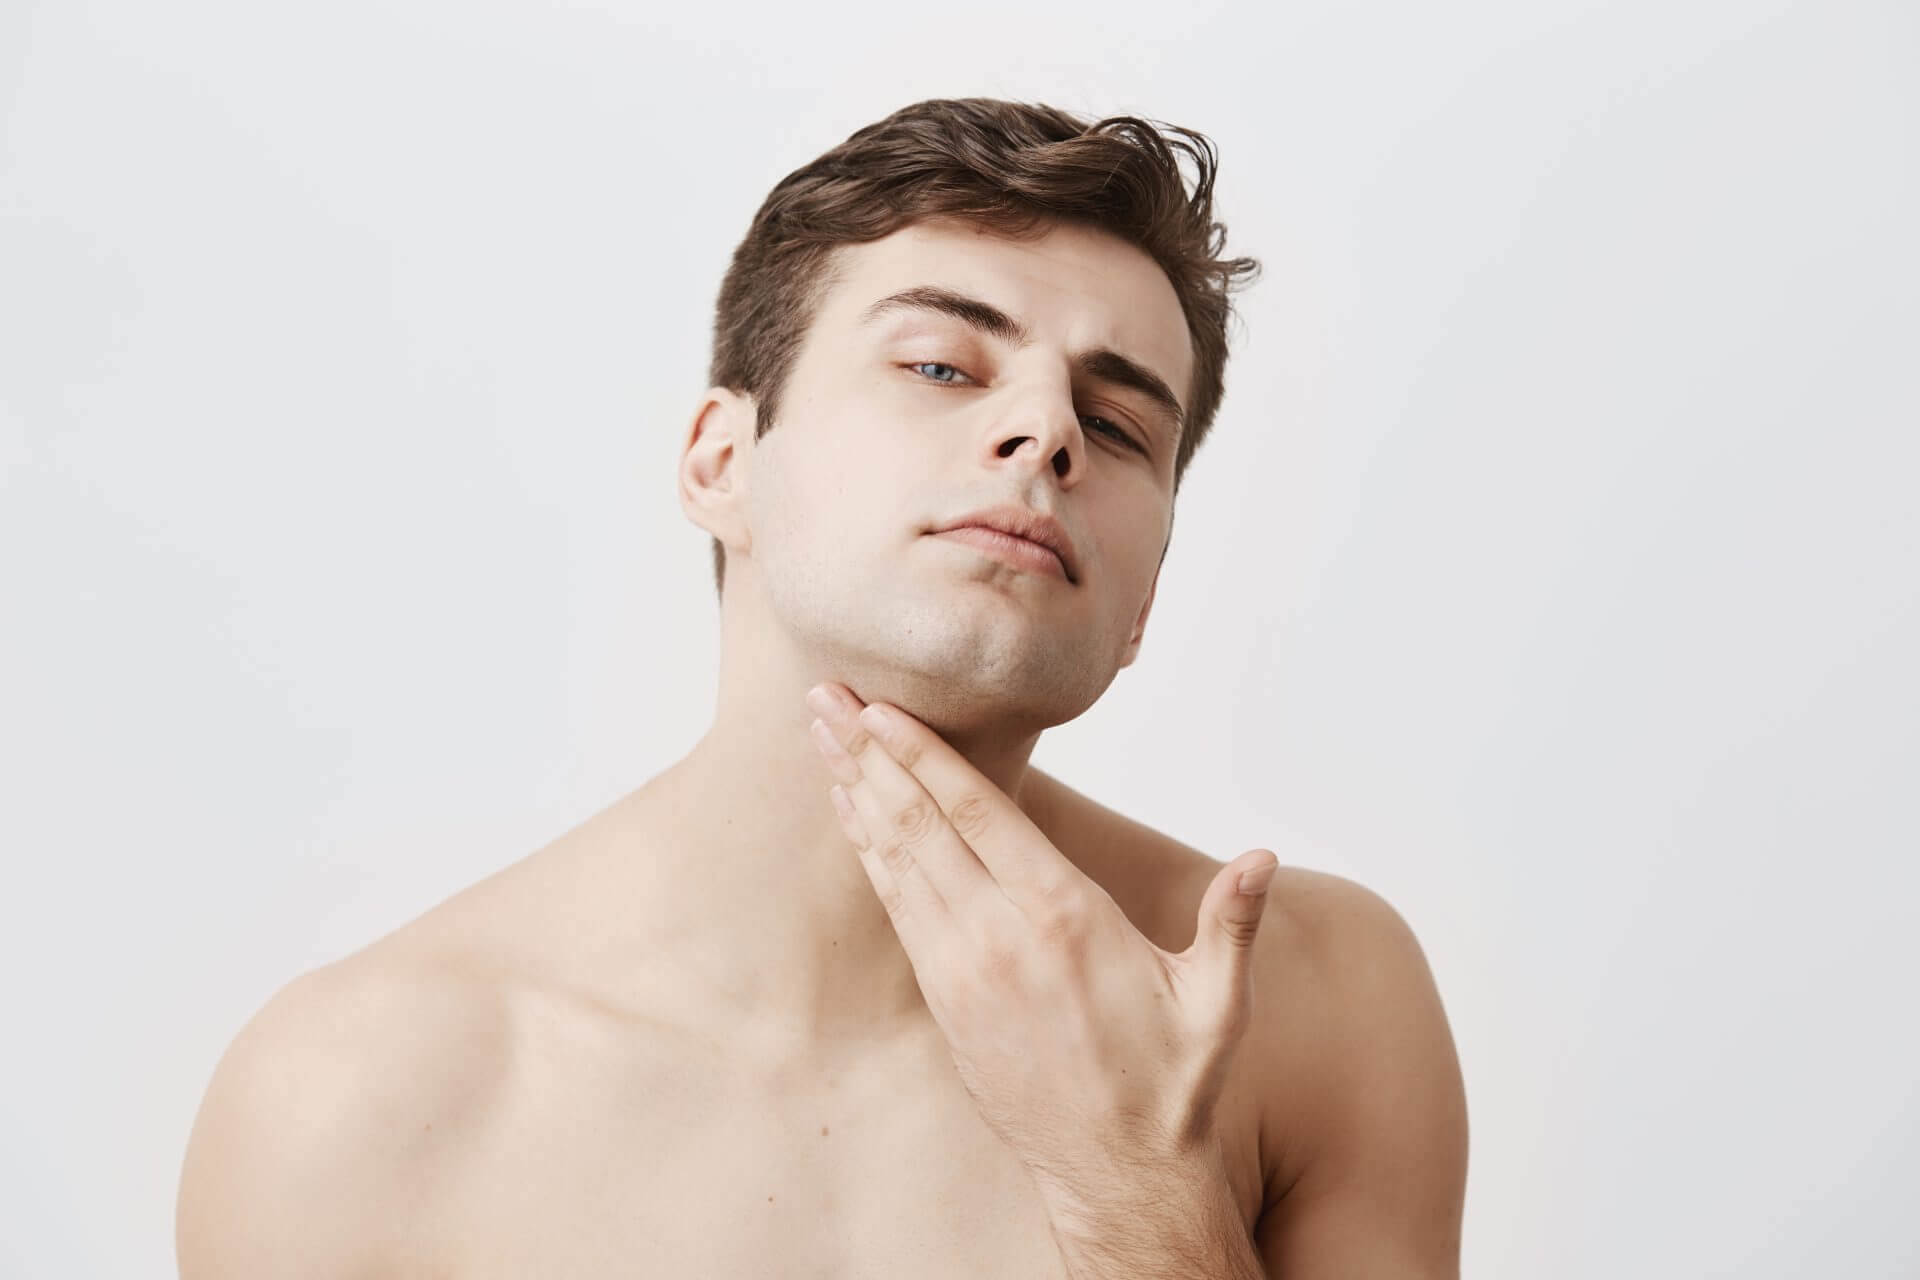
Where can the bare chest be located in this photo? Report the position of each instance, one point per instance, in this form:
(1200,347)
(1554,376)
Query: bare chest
(689,1169)
(602,1151)
(593,1161)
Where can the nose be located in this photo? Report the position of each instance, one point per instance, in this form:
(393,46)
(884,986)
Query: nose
(1044,426)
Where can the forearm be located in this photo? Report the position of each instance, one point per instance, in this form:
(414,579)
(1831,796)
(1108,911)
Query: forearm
(1183,1225)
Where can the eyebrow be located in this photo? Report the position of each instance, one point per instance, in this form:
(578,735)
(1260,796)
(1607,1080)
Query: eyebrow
(1100,363)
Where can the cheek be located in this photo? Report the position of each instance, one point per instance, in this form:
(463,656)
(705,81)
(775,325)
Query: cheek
(1136,539)
(832,484)
(874,458)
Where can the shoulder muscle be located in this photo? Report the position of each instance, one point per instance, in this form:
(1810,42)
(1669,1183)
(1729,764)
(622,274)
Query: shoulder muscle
(311,1145)
(1382,1175)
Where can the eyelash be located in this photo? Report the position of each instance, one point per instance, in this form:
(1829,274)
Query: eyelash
(1118,434)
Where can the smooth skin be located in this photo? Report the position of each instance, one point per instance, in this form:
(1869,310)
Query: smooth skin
(686,1037)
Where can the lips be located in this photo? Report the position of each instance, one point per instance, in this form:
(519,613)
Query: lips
(1035,528)
(1017,552)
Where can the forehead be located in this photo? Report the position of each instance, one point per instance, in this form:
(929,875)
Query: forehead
(1075,286)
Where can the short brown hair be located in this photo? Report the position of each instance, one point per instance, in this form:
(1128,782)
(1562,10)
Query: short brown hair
(1008,166)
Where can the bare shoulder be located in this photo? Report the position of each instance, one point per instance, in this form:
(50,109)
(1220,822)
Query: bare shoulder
(1367,1109)
(1349,1066)
(1328,947)
(327,1115)
(1324,919)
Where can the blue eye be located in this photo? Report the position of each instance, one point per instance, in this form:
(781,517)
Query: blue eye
(935,364)
(953,370)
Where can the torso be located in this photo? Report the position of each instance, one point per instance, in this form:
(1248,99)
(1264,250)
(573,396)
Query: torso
(608,1145)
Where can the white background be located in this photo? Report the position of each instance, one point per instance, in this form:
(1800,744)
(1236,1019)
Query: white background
(1551,570)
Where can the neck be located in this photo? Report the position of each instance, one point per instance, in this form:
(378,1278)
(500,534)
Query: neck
(758,893)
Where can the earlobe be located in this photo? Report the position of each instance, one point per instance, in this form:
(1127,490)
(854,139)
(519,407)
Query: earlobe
(712,476)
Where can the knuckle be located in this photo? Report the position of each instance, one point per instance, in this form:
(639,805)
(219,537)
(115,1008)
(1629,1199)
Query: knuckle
(894,856)
(908,754)
(970,815)
(1243,931)
(914,821)
(1056,924)
(1065,896)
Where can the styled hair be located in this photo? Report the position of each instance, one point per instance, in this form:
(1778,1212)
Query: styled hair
(1012,168)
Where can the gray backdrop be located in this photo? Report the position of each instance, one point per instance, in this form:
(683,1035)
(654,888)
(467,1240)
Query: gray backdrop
(1551,570)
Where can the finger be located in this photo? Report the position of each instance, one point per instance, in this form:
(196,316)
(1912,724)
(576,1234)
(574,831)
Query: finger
(1028,870)
(901,816)
(884,886)
(920,915)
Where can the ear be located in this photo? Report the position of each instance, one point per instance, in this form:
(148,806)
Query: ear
(1132,650)
(713,471)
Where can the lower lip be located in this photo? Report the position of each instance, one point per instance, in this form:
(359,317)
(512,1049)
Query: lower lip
(1008,549)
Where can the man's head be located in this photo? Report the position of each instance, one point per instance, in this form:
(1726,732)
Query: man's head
(970,303)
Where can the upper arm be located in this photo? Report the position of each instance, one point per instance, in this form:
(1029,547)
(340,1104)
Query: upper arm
(1382,1179)
(308,1147)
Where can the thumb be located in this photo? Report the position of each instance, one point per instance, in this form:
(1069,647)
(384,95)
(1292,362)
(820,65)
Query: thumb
(1229,921)
(1230,908)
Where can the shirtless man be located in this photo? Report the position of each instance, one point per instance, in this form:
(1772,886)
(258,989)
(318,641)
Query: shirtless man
(708,1033)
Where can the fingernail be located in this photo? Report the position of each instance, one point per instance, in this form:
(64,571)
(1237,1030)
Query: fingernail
(1255,882)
